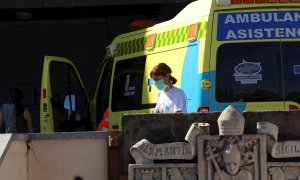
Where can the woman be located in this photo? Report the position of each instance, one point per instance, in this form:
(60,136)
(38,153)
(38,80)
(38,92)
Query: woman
(170,99)
(16,118)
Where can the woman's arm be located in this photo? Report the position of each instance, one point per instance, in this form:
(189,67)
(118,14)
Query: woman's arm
(180,102)
(27,117)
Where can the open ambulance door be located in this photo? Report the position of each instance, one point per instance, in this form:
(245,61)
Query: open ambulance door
(64,100)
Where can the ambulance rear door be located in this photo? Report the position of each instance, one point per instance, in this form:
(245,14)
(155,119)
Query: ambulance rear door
(245,61)
(290,44)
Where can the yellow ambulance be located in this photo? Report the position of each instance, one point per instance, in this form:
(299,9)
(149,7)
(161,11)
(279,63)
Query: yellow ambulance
(240,52)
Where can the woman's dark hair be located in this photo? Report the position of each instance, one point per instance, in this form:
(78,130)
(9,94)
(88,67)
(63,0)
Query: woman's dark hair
(15,98)
(163,69)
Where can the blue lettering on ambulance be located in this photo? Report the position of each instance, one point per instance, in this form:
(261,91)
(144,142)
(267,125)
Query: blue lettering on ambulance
(258,25)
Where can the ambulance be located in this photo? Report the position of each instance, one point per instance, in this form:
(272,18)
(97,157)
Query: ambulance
(244,53)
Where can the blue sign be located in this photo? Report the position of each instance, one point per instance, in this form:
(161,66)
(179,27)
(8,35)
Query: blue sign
(258,25)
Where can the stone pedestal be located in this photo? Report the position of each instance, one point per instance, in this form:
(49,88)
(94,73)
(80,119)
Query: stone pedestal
(231,155)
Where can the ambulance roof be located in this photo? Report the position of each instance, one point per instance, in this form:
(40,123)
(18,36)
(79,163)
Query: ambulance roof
(195,10)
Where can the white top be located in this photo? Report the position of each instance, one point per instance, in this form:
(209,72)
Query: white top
(170,102)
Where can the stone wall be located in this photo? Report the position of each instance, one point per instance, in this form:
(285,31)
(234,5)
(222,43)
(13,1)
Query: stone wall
(165,128)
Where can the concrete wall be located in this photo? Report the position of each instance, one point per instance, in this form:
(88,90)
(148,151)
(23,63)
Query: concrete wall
(55,156)
(14,165)
(66,159)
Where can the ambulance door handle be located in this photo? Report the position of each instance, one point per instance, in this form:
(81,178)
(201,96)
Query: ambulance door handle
(205,84)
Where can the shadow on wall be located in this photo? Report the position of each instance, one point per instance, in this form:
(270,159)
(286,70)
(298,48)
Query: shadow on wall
(78,178)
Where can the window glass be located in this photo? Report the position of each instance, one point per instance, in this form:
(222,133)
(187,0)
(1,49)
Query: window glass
(249,72)
(59,86)
(64,81)
(80,116)
(103,91)
(127,84)
(59,83)
(291,68)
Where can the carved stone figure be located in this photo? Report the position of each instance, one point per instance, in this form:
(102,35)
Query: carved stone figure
(276,173)
(231,122)
(231,156)
(284,172)
(175,174)
(147,174)
(180,174)
(232,160)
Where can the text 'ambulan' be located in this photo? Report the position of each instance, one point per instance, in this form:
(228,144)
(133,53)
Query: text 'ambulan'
(259,25)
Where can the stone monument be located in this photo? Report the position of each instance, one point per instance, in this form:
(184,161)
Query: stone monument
(231,155)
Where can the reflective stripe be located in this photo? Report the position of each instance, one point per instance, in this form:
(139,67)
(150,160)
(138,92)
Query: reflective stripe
(106,114)
(104,124)
(104,119)
(166,38)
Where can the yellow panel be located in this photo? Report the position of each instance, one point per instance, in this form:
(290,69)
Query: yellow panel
(115,117)
(202,67)
(262,106)
(174,59)
(204,46)
(152,60)
(288,103)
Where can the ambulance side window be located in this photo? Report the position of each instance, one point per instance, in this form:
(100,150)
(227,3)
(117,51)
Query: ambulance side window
(249,72)
(127,84)
(102,101)
(291,70)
